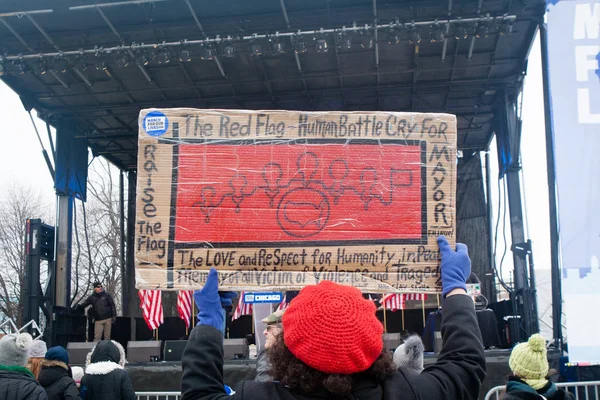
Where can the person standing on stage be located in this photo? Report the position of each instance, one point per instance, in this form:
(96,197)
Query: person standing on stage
(103,311)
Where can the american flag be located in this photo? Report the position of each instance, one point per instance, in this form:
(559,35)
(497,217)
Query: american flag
(151,305)
(284,303)
(415,296)
(242,308)
(184,306)
(398,301)
(393,302)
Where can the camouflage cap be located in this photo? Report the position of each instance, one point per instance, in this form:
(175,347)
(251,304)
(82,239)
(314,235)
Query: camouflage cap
(274,318)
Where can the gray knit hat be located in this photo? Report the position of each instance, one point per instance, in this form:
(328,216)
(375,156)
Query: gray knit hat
(14,349)
(409,355)
(38,349)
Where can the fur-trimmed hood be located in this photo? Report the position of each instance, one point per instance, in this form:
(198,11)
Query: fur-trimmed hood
(102,368)
(54,363)
(104,351)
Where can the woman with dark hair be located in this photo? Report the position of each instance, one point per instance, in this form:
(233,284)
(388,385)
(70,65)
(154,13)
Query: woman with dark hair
(332,346)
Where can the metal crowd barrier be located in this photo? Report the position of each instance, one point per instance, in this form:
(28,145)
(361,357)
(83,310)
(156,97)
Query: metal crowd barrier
(158,395)
(12,328)
(581,390)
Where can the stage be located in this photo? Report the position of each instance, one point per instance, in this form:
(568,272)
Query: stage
(166,376)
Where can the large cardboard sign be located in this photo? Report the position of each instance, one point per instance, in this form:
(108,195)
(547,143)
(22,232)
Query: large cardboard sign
(277,200)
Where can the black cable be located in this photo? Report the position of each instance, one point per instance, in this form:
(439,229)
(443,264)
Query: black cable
(498,275)
(503,229)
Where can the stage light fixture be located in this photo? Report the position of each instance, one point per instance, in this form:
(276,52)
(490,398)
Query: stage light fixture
(344,40)
(228,48)
(207,51)
(255,46)
(367,40)
(393,35)
(185,54)
(101,62)
(19,66)
(461,32)
(438,32)
(506,27)
(41,65)
(414,35)
(122,59)
(482,30)
(141,57)
(60,63)
(322,45)
(81,62)
(277,46)
(299,44)
(163,56)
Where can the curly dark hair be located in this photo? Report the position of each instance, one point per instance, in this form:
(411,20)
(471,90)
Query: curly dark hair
(295,374)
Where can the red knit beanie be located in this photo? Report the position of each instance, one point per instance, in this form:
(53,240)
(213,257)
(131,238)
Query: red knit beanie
(332,329)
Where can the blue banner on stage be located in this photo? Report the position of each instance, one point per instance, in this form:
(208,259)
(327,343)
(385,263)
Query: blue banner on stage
(574,58)
(263,297)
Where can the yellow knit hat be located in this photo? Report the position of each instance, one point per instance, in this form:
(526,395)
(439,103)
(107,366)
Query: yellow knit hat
(529,361)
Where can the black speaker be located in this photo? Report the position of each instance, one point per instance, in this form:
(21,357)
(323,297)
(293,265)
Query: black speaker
(78,352)
(391,341)
(174,350)
(235,348)
(143,351)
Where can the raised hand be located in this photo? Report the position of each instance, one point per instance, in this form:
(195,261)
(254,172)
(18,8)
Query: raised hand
(456,266)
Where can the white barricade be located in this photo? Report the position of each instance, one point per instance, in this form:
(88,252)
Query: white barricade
(158,395)
(581,390)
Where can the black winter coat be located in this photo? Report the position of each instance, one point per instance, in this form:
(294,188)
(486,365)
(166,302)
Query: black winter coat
(17,383)
(103,306)
(56,379)
(105,378)
(457,374)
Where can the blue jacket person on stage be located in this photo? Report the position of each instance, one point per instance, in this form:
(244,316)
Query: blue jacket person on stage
(331,346)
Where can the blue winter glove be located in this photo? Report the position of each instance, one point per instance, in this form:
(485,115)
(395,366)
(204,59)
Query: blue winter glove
(456,266)
(210,302)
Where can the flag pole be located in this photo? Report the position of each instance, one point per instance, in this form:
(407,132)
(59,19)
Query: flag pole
(402,319)
(193,316)
(384,318)
(423,305)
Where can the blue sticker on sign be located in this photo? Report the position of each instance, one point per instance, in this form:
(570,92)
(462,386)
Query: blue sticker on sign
(263,297)
(156,123)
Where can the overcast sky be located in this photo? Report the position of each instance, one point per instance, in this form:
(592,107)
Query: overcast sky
(22,163)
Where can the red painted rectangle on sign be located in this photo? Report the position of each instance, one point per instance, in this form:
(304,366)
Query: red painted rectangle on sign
(269,193)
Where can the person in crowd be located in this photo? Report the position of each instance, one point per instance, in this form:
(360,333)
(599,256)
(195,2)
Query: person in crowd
(77,375)
(272,330)
(37,352)
(529,365)
(16,381)
(332,347)
(105,376)
(56,376)
(103,311)
(409,355)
